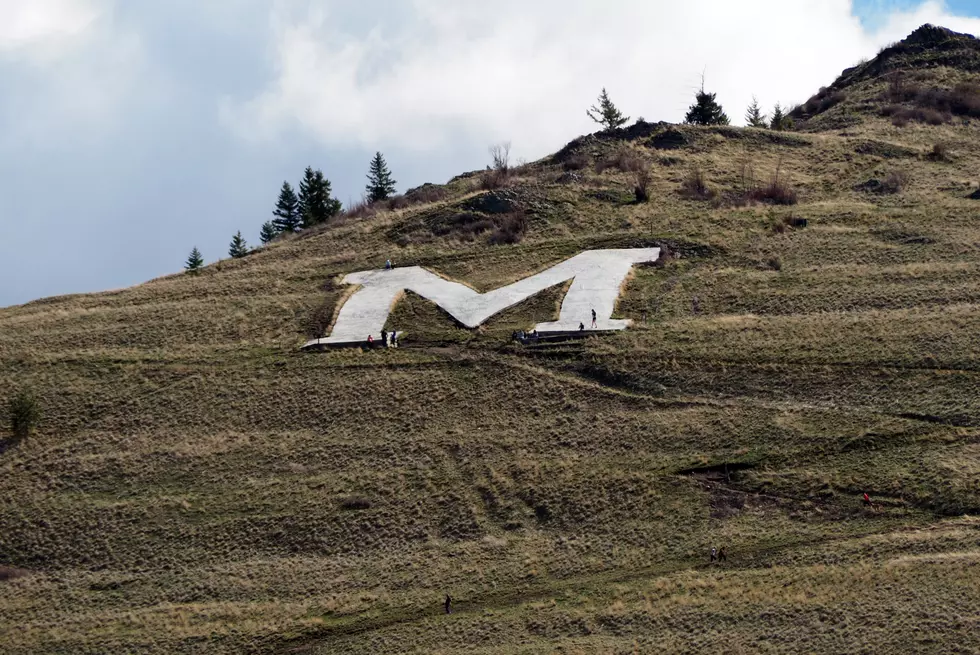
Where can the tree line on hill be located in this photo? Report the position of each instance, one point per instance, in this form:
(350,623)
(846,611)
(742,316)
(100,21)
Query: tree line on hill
(704,111)
(314,204)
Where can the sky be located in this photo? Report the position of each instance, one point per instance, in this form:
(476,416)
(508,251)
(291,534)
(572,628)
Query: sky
(131,132)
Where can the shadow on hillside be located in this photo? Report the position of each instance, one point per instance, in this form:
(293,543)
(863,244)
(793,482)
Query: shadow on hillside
(8,444)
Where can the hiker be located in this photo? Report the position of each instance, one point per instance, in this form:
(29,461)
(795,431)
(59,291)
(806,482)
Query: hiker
(714,554)
(394,338)
(388,265)
(449,603)
(581,327)
(370,341)
(593,318)
(384,338)
(723,554)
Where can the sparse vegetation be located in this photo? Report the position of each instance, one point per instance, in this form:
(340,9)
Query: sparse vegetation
(695,186)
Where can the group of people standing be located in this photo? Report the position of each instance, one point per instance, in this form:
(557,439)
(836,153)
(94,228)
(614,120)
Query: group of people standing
(388,339)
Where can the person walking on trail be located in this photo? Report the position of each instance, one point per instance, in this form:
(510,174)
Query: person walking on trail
(594,318)
(394,338)
(388,265)
(581,327)
(449,604)
(723,554)
(384,338)
(370,341)
(714,554)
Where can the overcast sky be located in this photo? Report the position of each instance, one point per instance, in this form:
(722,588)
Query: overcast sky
(132,131)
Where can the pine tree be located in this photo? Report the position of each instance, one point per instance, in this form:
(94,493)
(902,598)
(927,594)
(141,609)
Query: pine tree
(194,261)
(606,113)
(287,211)
(778,121)
(238,248)
(706,110)
(754,116)
(268,232)
(315,204)
(380,183)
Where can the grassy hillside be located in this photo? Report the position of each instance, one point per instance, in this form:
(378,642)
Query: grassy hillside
(198,484)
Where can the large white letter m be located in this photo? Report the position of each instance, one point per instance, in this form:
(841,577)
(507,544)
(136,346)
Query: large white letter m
(598,277)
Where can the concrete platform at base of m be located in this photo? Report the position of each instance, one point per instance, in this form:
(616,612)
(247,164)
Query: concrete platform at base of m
(597,279)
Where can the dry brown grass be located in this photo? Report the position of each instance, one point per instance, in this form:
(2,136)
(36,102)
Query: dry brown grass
(199,485)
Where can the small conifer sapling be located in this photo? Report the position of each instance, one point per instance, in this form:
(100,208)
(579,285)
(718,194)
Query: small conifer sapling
(268,232)
(606,113)
(238,247)
(194,261)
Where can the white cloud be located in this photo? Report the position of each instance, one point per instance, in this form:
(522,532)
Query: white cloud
(526,71)
(25,23)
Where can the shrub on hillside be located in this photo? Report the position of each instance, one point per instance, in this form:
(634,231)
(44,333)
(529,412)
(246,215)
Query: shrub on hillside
(777,191)
(361,209)
(641,185)
(576,162)
(426,193)
(24,414)
(623,159)
(819,103)
(896,182)
(695,186)
(493,178)
(510,229)
(930,105)
(939,152)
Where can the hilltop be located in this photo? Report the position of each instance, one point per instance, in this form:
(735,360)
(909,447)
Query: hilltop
(198,484)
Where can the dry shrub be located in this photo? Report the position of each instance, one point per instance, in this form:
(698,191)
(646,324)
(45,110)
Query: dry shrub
(10,573)
(577,162)
(426,194)
(493,178)
(896,182)
(362,208)
(930,105)
(695,186)
(623,159)
(939,152)
(510,229)
(777,191)
(500,154)
(641,185)
(397,202)
(775,263)
(821,102)
(355,503)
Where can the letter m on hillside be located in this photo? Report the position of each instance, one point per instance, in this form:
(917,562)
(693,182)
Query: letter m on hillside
(597,275)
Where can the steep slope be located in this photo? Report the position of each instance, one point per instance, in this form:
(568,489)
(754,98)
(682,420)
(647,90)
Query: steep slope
(198,484)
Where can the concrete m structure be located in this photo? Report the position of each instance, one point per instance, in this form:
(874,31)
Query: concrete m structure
(598,278)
